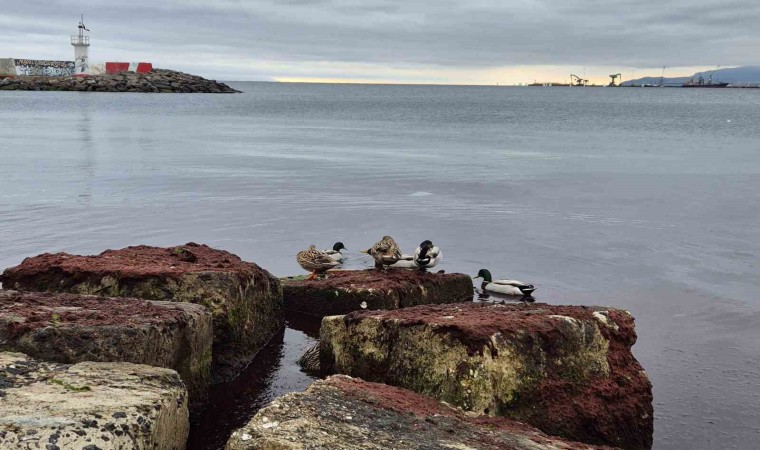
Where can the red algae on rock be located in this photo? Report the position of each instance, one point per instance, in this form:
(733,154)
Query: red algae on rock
(69,328)
(344,291)
(566,370)
(133,262)
(244,299)
(346,413)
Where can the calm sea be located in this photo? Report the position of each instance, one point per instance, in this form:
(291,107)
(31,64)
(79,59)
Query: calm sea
(646,199)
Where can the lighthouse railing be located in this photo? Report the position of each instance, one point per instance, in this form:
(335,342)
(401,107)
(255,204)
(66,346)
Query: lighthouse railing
(80,40)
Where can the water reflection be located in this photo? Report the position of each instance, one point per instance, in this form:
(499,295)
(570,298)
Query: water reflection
(273,373)
(493,297)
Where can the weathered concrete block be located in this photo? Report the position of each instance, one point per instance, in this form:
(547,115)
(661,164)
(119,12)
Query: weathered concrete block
(348,413)
(90,405)
(567,370)
(70,328)
(353,290)
(244,299)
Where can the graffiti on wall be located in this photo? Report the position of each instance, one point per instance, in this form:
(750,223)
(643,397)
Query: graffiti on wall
(42,68)
(82,65)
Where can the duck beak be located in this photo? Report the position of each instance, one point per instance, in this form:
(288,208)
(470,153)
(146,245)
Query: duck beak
(366,252)
(476,277)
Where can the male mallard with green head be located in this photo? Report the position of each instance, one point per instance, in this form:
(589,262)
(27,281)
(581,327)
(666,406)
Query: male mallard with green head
(315,261)
(506,287)
(385,252)
(335,251)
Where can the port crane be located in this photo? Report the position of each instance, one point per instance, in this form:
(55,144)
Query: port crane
(614,77)
(575,80)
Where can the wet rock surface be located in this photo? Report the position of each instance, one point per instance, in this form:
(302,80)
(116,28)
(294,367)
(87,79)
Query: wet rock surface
(158,81)
(347,413)
(68,328)
(90,406)
(566,370)
(245,300)
(344,291)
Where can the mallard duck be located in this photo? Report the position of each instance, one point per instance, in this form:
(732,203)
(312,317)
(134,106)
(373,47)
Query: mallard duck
(427,255)
(335,252)
(405,262)
(315,261)
(506,287)
(385,252)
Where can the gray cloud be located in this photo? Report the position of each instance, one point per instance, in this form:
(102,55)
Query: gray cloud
(250,39)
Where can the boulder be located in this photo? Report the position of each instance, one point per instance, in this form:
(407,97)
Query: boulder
(244,299)
(90,405)
(70,328)
(347,413)
(567,370)
(344,291)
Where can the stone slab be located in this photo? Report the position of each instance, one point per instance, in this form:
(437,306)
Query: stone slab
(343,413)
(90,406)
(244,299)
(344,291)
(567,370)
(70,328)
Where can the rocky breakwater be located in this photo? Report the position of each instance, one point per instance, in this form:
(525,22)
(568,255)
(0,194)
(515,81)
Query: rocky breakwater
(68,328)
(346,413)
(245,301)
(352,290)
(566,370)
(157,81)
(90,406)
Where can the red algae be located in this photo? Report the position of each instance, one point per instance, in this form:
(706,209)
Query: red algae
(373,279)
(33,311)
(474,323)
(136,262)
(407,402)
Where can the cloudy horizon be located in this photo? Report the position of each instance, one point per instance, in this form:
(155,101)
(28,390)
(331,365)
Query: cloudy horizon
(480,42)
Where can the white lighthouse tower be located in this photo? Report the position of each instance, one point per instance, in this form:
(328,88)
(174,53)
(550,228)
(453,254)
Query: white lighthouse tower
(81,45)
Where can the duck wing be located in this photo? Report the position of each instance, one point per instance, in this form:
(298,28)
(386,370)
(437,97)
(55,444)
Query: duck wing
(514,283)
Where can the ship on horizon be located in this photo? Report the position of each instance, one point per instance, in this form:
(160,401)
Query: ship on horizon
(700,83)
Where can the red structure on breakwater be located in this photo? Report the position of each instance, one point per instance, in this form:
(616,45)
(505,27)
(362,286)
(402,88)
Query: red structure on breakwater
(139,67)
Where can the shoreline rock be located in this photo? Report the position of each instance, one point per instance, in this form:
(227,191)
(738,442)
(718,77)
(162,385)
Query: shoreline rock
(68,328)
(354,290)
(157,81)
(245,300)
(90,405)
(344,413)
(567,370)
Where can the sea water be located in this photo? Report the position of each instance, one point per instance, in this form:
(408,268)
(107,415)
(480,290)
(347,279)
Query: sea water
(644,199)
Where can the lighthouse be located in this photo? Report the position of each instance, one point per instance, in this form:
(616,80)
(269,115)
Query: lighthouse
(81,45)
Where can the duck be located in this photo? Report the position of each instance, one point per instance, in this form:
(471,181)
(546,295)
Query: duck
(506,287)
(405,262)
(315,261)
(335,251)
(385,252)
(427,255)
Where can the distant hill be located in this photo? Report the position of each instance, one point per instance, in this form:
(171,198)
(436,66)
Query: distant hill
(734,75)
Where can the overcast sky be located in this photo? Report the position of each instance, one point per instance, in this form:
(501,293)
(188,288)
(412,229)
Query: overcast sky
(435,41)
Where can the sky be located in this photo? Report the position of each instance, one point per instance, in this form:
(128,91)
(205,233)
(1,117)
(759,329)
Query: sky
(388,41)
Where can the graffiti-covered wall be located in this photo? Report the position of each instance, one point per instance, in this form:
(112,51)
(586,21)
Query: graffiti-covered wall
(42,68)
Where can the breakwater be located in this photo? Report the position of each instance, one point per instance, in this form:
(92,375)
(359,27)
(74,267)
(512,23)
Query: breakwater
(157,81)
